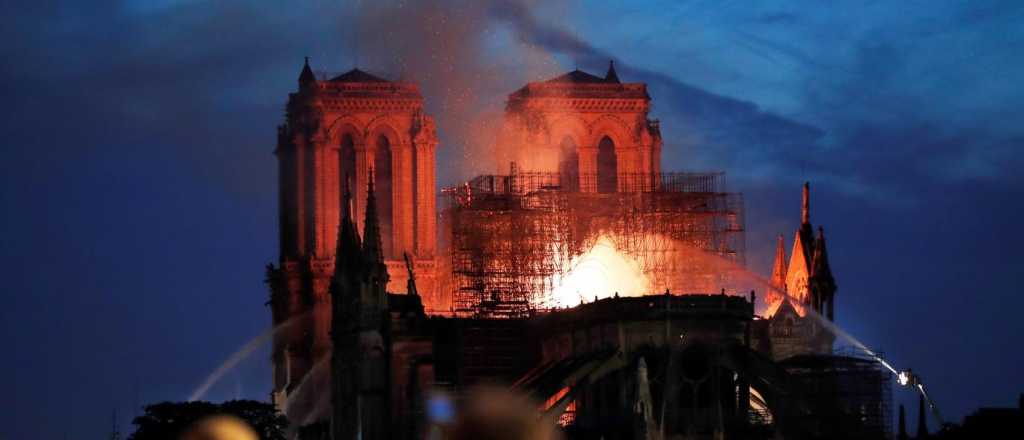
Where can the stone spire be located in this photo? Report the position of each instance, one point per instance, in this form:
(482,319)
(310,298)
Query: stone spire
(806,231)
(410,285)
(778,280)
(344,287)
(805,206)
(307,76)
(902,433)
(348,253)
(922,426)
(372,248)
(611,76)
(374,269)
(823,284)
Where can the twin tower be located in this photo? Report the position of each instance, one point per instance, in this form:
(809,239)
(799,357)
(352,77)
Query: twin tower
(341,132)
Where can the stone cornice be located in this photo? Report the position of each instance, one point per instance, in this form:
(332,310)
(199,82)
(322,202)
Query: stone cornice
(634,105)
(362,105)
(392,87)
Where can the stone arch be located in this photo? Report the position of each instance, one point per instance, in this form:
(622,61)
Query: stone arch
(345,138)
(384,187)
(612,127)
(612,167)
(384,125)
(347,146)
(573,126)
(389,153)
(345,125)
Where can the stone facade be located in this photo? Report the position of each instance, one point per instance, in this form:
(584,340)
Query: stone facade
(592,130)
(341,133)
(602,368)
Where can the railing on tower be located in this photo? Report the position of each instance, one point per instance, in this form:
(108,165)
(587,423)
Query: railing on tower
(523,183)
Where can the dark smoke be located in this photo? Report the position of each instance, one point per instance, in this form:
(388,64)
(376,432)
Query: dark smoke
(449,48)
(730,133)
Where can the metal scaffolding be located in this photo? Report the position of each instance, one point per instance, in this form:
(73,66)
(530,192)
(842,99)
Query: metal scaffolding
(512,234)
(850,392)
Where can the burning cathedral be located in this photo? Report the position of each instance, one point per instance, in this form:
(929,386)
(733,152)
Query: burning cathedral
(582,275)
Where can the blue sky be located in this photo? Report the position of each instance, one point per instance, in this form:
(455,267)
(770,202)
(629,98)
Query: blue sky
(139,186)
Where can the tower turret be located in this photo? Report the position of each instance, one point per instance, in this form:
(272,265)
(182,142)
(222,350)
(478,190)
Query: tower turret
(306,77)
(611,76)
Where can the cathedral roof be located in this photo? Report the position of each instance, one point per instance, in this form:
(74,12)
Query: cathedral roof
(358,76)
(580,84)
(580,77)
(783,309)
(577,77)
(611,76)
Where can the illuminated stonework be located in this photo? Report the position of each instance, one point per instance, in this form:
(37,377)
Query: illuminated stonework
(338,133)
(580,124)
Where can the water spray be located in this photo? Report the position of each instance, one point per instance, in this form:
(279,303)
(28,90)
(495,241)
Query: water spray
(240,355)
(905,378)
(317,368)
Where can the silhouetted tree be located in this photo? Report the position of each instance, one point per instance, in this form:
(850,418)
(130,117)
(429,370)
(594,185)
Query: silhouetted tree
(166,420)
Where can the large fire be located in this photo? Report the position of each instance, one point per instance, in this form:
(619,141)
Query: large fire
(601,272)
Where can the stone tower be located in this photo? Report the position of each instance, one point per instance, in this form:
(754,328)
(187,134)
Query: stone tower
(592,130)
(336,131)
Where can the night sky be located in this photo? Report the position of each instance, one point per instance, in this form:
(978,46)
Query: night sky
(139,188)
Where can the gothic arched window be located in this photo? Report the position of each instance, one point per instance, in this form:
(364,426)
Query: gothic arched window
(347,167)
(383,184)
(607,166)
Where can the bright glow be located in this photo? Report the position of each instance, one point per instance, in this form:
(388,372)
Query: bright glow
(903,378)
(440,408)
(600,272)
(758,405)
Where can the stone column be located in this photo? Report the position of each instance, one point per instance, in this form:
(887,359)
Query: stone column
(300,168)
(321,272)
(326,195)
(425,209)
(588,169)
(402,199)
